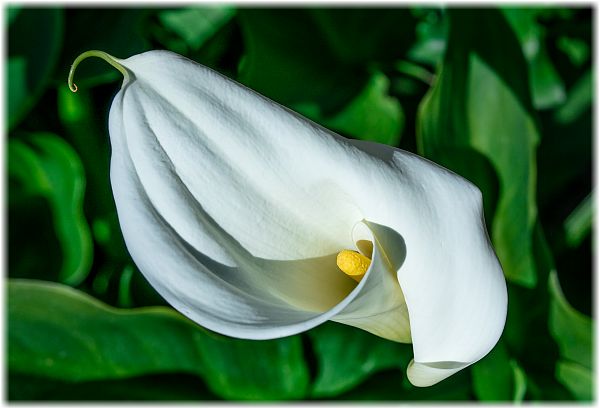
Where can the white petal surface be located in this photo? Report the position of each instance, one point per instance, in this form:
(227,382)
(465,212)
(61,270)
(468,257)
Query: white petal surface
(451,279)
(234,208)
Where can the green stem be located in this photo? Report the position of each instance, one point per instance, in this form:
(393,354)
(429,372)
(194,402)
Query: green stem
(95,53)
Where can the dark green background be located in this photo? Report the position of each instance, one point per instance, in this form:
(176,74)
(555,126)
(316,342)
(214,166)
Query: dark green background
(502,96)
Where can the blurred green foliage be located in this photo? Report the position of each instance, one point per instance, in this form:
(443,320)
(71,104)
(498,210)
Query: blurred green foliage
(501,96)
(83,340)
(480,108)
(47,167)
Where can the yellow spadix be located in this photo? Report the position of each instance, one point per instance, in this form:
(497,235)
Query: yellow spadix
(353,264)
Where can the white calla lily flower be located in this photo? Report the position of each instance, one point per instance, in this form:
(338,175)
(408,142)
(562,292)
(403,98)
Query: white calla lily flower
(236,210)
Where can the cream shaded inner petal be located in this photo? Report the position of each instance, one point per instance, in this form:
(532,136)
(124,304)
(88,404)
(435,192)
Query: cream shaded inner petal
(380,307)
(429,373)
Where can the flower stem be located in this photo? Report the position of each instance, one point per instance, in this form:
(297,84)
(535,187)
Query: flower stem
(95,53)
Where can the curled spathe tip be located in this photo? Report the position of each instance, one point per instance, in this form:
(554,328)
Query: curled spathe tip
(94,53)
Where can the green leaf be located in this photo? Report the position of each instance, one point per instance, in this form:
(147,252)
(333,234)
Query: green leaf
(578,102)
(47,166)
(362,35)
(577,378)
(372,115)
(32,56)
(61,333)
(571,329)
(498,378)
(520,385)
(577,50)
(347,356)
(526,333)
(578,224)
(481,102)
(195,25)
(547,88)
(491,129)
(288,60)
(258,370)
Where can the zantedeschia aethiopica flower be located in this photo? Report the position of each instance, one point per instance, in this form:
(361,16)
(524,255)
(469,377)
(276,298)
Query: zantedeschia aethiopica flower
(236,209)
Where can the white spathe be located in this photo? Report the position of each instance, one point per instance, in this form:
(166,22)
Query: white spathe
(234,208)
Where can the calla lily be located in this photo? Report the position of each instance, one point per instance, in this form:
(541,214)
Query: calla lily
(236,210)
